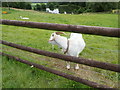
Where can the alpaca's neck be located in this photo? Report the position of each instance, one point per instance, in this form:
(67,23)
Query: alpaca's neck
(61,41)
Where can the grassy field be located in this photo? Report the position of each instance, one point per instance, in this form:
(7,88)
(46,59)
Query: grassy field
(17,75)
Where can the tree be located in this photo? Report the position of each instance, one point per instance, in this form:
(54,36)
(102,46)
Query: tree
(43,7)
(50,5)
(21,5)
(101,6)
(38,7)
(28,6)
(6,4)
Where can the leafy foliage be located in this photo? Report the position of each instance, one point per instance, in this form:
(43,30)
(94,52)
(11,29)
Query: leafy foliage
(21,5)
(80,7)
(101,6)
(40,7)
(69,7)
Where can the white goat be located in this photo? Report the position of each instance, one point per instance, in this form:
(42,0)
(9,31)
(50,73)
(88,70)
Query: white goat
(55,11)
(24,17)
(72,46)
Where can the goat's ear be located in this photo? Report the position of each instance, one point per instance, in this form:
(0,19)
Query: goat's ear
(58,33)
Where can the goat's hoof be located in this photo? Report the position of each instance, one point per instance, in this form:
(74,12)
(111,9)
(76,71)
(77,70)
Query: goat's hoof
(76,68)
(68,67)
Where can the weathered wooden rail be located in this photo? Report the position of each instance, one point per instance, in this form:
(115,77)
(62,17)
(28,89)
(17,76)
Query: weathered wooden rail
(92,63)
(103,31)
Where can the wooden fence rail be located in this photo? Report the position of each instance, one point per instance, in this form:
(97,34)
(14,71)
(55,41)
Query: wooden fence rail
(103,31)
(65,75)
(93,63)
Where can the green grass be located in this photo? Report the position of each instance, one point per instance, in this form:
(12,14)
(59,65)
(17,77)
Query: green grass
(99,48)
(15,77)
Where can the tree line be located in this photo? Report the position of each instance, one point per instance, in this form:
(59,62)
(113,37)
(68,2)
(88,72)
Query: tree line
(82,7)
(20,5)
(69,7)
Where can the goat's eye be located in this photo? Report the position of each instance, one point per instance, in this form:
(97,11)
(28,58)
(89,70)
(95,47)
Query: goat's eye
(53,35)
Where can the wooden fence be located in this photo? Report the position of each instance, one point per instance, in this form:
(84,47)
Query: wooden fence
(112,32)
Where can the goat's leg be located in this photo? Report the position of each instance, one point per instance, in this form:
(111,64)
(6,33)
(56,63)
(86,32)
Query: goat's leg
(68,65)
(77,66)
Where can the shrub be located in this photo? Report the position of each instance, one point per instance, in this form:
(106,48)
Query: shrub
(50,5)
(88,10)
(28,6)
(43,7)
(38,7)
(80,10)
(65,8)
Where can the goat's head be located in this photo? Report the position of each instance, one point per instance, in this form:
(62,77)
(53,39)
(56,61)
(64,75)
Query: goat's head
(53,36)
